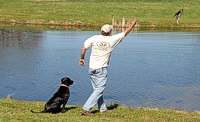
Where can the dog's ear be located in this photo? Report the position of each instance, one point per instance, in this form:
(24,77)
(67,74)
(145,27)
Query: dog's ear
(64,80)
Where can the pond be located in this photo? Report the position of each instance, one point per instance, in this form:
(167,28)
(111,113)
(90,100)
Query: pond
(148,69)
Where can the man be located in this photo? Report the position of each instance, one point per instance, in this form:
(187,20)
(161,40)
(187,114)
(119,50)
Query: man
(102,46)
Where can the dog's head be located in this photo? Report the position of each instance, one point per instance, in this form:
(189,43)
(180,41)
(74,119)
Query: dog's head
(66,81)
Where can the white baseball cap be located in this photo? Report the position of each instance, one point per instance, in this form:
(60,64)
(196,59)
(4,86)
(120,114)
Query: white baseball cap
(106,28)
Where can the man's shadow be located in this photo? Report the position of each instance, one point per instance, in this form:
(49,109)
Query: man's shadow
(110,107)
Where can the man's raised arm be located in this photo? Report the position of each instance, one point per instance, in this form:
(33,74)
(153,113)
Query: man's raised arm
(130,27)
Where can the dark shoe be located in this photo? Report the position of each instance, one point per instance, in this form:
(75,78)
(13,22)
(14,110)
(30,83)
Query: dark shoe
(86,113)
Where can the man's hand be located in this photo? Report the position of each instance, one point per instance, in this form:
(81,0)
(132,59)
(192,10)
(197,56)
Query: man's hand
(130,27)
(134,21)
(82,62)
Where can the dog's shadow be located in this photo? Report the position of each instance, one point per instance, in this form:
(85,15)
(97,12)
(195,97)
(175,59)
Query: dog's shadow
(68,109)
(110,107)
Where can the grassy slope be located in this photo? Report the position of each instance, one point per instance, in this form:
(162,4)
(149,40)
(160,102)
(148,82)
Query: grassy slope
(13,110)
(97,12)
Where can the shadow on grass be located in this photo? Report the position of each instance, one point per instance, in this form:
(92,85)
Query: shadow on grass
(61,111)
(110,107)
(68,108)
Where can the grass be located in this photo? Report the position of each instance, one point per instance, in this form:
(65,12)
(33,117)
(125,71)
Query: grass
(19,111)
(150,13)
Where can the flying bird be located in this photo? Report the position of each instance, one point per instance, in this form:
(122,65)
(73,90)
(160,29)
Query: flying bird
(178,15)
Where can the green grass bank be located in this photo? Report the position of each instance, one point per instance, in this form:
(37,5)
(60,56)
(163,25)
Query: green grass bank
(19,111)
(94,13)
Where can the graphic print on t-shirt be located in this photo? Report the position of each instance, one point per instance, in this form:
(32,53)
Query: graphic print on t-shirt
(103,46)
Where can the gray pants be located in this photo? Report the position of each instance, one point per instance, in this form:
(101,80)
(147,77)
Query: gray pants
(98,78)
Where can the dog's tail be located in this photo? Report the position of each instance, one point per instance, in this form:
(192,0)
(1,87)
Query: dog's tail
(37,111)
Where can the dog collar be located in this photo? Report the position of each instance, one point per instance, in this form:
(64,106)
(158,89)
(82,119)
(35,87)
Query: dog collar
(64,85)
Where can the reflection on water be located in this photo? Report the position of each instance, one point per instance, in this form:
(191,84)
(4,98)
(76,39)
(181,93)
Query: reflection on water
(18,38)
(147,69)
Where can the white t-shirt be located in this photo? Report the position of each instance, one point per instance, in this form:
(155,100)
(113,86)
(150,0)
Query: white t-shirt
(102,46)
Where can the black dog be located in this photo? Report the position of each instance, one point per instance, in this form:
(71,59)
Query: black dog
(59,98)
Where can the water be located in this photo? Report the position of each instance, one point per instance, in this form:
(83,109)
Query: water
(158,69)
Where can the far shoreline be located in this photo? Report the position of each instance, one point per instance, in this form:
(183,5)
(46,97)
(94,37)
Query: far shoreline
(82,26)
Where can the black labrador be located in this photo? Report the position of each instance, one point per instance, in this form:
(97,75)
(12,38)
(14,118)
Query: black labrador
(59,99)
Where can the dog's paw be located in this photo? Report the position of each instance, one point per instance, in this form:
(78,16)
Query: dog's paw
(63,110)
